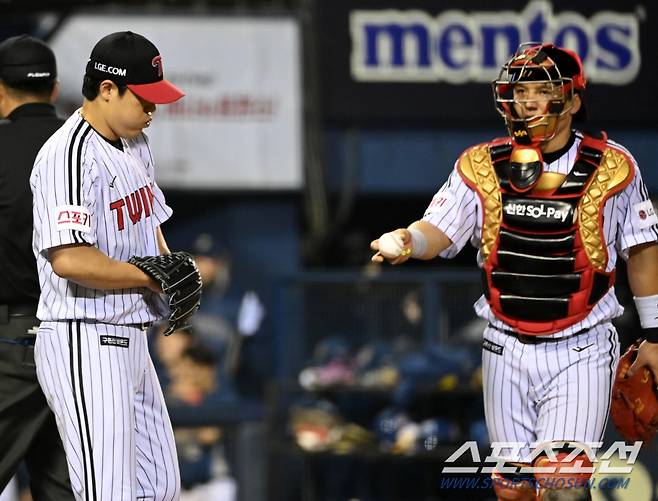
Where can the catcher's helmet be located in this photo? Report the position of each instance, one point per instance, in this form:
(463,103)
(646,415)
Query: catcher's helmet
(560,71)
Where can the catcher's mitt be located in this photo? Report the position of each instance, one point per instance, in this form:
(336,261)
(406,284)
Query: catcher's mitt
(180,280)
(634,408)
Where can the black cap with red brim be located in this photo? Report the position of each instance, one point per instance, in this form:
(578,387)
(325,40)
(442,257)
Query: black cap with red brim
(162,92)
(129,59)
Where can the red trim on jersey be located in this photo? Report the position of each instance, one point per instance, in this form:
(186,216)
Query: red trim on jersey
(578,307)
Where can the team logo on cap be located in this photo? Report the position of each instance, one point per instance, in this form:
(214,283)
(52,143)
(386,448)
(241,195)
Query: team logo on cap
(156,62)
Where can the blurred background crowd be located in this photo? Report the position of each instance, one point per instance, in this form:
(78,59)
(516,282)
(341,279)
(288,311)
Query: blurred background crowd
(309,128)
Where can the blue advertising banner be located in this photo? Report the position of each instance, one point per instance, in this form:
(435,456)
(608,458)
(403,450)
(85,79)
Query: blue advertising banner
(425,61)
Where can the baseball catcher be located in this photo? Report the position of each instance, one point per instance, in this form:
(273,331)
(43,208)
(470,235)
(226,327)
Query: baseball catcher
(550,209)
(180,280)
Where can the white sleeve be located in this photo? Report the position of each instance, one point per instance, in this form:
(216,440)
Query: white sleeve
(161,210)
(454,210)
(65,194)
(637,220)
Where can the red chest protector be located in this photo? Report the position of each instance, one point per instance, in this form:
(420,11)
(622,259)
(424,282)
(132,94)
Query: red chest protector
(544,250)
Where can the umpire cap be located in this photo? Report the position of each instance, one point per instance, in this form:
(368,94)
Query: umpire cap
(26,59)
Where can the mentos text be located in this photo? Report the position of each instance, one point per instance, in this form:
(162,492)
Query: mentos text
(458,46)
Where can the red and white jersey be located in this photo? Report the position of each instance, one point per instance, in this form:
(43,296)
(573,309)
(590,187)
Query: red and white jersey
(628,220)
(87,190)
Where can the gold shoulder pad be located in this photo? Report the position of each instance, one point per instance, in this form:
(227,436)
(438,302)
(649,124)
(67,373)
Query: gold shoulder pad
(477,169)
(613,175)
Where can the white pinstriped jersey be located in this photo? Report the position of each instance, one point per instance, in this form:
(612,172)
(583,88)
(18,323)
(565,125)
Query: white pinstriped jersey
(89,191)
(456,210)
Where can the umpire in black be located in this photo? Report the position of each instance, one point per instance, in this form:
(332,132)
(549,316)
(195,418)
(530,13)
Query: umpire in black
(28,87)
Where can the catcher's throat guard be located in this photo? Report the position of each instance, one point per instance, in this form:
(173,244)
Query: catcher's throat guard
(525,167)
(531,93)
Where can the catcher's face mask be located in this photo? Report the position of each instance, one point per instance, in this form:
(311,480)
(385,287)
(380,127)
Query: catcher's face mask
(532,93)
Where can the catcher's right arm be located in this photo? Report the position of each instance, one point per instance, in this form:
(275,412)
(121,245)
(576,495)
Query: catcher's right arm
(180,280)
(634,407)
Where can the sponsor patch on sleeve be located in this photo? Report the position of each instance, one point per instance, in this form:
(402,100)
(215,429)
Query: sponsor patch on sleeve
(440,202)
(72,217)
(644,214)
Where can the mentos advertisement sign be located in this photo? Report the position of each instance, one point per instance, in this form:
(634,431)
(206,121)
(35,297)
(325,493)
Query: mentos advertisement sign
(458,46)
(423,60)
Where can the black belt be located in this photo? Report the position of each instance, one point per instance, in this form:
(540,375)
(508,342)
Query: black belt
(142,325)
(8,311)
(28,341)
(527,339)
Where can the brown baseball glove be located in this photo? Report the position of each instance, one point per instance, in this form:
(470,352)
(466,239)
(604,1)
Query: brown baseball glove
(634,408)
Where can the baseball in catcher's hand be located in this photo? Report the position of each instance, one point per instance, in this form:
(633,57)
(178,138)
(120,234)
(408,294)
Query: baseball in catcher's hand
(394,246)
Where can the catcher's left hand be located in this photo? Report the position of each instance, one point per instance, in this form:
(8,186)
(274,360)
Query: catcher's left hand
(180,280)
(634,407)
